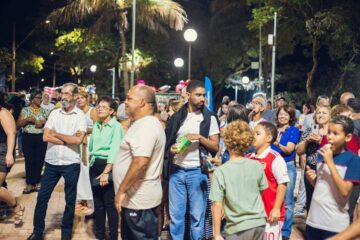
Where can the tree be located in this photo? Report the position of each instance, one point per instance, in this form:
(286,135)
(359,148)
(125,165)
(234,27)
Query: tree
(154,15)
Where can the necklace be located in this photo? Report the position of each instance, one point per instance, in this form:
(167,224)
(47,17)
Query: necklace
(35,111)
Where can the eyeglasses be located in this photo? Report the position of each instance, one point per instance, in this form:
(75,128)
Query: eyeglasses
(256,103)
(38,97)
(102,107)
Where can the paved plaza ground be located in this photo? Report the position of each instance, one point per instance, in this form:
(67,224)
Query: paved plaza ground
(83,229)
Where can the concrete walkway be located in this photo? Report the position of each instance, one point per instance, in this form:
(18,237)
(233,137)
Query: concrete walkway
(83,229)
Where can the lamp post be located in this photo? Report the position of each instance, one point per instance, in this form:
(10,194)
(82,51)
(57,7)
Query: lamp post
(179,63)
(245,80)
(272,41)
(190,36)
(93,69)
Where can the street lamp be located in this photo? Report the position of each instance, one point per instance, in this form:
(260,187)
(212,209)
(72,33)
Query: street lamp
(245,80)
(179,63)
(190,36)
(93,70)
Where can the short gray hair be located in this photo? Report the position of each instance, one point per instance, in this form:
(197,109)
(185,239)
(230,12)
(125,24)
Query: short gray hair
(262,96)
(74,87)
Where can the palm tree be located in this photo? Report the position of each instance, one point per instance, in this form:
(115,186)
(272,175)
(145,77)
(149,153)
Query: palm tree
(155,15)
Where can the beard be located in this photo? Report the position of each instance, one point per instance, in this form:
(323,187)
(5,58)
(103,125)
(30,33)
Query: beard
(199,106)
(66,103)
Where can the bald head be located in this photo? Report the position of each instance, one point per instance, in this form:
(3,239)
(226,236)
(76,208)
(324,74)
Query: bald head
(345,97)
(144,93)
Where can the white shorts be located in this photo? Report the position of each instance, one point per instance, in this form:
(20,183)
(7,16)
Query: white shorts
(273,231)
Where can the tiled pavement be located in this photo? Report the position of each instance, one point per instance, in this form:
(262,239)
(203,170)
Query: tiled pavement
(82,229)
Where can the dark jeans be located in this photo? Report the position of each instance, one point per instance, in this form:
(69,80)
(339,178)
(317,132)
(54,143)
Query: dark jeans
(52,174)
(104,203)
(318,234)
(139,224)
(34,149)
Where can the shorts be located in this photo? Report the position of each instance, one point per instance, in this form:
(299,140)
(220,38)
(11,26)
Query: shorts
(318,234)
(3,150)
(256,233)
(139,224)
(273,231)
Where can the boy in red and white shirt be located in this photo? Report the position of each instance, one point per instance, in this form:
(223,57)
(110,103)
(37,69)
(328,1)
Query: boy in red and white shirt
(277,176)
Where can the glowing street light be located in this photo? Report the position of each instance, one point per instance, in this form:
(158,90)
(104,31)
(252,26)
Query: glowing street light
(190,36)
(93,68)
(179,63)
(245,80)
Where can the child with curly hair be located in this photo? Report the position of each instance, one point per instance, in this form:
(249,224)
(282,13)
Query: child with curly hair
(236,188)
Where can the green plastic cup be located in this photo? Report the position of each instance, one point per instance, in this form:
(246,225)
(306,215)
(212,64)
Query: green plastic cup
(183,145)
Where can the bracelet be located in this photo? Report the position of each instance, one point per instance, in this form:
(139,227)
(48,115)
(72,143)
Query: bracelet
(105,173)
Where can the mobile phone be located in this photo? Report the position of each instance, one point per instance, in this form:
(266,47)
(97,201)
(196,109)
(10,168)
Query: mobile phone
(315,128)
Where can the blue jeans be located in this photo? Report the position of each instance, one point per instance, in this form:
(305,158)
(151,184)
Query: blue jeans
(51,176)
(187,185)
(289,199)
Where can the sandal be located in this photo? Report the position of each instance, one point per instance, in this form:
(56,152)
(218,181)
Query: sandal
(28,189)
(19,214)
(37,187)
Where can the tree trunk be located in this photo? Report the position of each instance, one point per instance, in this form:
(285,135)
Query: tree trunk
(125,75)
(311,74)
(218,90)
(116,67)
(340,84)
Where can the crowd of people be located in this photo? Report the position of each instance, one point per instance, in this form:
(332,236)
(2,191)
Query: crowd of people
(140,168)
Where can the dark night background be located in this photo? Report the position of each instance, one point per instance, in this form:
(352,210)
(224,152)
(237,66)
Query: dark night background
(225,45)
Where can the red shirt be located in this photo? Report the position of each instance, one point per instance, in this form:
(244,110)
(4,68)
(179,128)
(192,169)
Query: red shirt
(276,173)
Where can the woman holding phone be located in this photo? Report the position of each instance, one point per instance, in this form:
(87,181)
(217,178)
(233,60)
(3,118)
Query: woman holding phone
(313,139)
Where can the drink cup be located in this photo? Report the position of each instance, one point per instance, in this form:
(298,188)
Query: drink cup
(183,145)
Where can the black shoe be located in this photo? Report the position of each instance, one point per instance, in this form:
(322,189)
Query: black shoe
(285,238)
(34,237)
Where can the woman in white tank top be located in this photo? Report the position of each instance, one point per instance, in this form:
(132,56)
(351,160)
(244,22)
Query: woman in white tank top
(84,193)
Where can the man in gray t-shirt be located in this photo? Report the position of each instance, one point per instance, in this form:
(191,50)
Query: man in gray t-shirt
(138,166)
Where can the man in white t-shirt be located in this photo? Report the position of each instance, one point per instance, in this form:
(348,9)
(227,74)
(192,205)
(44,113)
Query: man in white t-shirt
(188,175)
(138,166)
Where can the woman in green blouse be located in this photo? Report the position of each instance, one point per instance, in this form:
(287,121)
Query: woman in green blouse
(32,119)
(104,144)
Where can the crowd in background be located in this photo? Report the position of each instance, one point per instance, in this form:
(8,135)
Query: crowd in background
(144,167)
